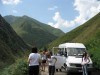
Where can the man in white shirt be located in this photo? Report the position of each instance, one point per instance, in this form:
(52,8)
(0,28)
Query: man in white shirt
(34,60)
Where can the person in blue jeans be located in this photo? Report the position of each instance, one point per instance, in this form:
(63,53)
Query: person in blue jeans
(85,61)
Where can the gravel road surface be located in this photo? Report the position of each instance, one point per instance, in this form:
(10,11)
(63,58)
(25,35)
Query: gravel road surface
(64,73)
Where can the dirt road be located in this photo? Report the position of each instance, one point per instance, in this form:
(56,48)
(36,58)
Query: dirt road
(64,73)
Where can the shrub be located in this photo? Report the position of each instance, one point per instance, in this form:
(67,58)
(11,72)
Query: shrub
(95,58)
(19,68)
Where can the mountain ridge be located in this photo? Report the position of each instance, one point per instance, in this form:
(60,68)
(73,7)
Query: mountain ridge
(11,44)
(79,31)
(31,30)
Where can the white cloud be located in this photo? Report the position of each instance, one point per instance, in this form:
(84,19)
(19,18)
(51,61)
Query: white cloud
(60,22)
(53,8)
(86,10)
(50,23)
(14,11)
(12,2)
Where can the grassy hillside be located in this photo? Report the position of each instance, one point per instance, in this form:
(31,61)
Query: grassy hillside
(89,34)
(11,44)
(32,31)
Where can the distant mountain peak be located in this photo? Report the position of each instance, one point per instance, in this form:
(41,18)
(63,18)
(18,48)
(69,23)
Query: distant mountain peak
(24,16)
(33,30)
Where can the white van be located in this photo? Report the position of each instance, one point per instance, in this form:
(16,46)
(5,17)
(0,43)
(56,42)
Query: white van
(73,53)
(71,57)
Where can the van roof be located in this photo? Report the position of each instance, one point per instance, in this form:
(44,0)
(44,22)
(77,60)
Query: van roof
(72,45)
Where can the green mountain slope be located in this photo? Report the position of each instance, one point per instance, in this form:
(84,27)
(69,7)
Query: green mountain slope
(89,34)
(32,31)
(10,43)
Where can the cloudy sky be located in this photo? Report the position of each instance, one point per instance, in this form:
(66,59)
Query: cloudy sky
(63,14)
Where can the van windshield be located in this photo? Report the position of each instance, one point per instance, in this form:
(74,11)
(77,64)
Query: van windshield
(75,51)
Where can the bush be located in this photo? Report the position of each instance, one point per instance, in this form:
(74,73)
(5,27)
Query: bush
(19,68)
(95,58)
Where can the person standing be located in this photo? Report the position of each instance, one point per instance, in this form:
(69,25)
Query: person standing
(85,61)
(34,60)
(43,61)
(51,64)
